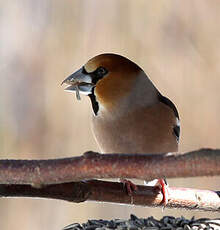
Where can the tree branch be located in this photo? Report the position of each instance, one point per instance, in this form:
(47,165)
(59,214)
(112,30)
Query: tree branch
(204,162)
(113,192)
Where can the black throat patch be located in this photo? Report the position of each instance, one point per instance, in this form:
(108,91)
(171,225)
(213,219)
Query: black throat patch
(95,104)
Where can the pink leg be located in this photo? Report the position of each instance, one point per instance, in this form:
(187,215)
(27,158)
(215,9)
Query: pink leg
(129,186)
(164,188)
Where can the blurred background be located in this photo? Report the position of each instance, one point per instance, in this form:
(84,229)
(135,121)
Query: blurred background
(42,42)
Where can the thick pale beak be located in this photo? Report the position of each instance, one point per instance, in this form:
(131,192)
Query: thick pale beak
(79,82)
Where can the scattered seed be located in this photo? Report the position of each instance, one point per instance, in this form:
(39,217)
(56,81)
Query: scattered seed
(135,223)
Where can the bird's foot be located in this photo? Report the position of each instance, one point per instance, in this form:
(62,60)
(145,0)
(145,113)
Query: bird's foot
(129,186)
(162,186)
(164,189)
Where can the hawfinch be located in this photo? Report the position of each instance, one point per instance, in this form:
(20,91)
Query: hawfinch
(130,115)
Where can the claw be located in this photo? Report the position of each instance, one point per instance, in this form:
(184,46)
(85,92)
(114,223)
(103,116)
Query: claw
(129,186)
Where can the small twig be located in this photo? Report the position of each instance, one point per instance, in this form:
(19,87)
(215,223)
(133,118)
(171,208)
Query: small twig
(113,192)
(204,162)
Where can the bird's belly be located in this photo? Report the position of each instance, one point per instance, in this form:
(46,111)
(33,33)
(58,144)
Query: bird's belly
(120,136)
(111,140)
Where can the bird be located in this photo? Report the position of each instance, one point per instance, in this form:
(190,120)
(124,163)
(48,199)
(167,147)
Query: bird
(130,115)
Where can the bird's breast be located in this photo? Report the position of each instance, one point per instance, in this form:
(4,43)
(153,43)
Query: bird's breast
(147,130)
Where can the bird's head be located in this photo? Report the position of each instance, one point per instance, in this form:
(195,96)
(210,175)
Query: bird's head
(106,79)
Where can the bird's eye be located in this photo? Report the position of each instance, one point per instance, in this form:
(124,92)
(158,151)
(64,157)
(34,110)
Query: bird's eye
(101,71)
(98,74)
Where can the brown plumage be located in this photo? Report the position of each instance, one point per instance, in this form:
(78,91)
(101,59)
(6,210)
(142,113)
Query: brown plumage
(147,130)
(131,116)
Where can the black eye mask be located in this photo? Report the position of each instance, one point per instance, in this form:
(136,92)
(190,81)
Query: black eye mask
(98,74)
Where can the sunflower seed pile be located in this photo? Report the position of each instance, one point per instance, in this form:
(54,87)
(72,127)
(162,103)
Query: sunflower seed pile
(135,223)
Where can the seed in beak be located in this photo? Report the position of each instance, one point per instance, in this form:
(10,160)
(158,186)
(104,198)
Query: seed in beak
(77,92)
